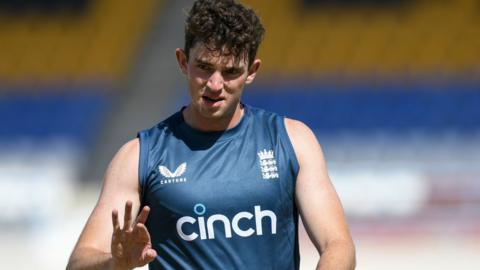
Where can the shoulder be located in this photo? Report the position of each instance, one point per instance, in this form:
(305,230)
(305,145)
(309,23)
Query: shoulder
(130,147)
(299,131)
(166,125)
(260,112)
(297,128)
(303,139)
(265,117)
(127,156)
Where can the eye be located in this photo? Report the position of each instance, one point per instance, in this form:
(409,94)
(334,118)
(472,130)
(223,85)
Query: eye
(232,71)
(204,67)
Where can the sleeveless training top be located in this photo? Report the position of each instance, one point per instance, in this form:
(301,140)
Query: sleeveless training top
(221,200)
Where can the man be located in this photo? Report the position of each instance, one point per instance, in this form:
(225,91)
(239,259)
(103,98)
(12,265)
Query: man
(219,184)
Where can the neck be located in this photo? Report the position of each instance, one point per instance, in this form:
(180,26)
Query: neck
(196,120)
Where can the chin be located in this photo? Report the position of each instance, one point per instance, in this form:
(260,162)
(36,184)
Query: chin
(213,114)
(207,111)
(220,112)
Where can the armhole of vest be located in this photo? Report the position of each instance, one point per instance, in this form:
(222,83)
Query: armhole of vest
(143,161)
(289,147)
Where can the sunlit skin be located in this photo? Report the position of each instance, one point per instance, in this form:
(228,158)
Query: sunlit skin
(215,85)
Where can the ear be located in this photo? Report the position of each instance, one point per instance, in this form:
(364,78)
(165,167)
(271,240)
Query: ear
(182,60)
(252,71)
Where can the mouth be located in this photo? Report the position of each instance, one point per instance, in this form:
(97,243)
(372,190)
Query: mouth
(212,101)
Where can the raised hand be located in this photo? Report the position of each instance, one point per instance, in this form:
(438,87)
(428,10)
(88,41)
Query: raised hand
(131,245)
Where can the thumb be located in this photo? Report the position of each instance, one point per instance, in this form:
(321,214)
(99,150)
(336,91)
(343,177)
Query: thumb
(140,232)
(150,255)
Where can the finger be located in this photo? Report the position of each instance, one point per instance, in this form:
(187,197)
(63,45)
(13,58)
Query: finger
(150,255)
(127,219)
(140,233)
(116,224)
(142,217)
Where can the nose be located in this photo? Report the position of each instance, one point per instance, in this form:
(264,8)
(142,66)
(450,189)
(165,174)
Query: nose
(215,82)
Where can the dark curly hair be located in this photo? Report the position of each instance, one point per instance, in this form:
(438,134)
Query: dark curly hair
(224,26)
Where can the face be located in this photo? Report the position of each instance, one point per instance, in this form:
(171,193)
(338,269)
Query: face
(215,82)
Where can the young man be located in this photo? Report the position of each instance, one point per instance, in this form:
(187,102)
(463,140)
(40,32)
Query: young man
(219,184)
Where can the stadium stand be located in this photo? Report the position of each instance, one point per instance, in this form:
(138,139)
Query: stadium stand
(392,108)
(63,64)
(47,117)
(95,45)
(420,37)
(59,61)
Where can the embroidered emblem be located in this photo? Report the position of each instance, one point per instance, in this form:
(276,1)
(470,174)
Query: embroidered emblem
(268,164)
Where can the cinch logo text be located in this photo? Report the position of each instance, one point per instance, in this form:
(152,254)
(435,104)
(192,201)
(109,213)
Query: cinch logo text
(203,226)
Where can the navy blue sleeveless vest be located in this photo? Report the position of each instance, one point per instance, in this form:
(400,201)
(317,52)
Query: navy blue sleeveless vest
(221,200)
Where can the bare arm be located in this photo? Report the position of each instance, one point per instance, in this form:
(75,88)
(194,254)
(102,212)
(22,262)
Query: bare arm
(102,244)
(318,203)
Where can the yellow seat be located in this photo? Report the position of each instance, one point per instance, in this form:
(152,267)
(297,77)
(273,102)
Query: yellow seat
(99,44)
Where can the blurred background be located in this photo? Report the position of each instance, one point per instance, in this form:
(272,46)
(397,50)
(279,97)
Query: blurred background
(391,89)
